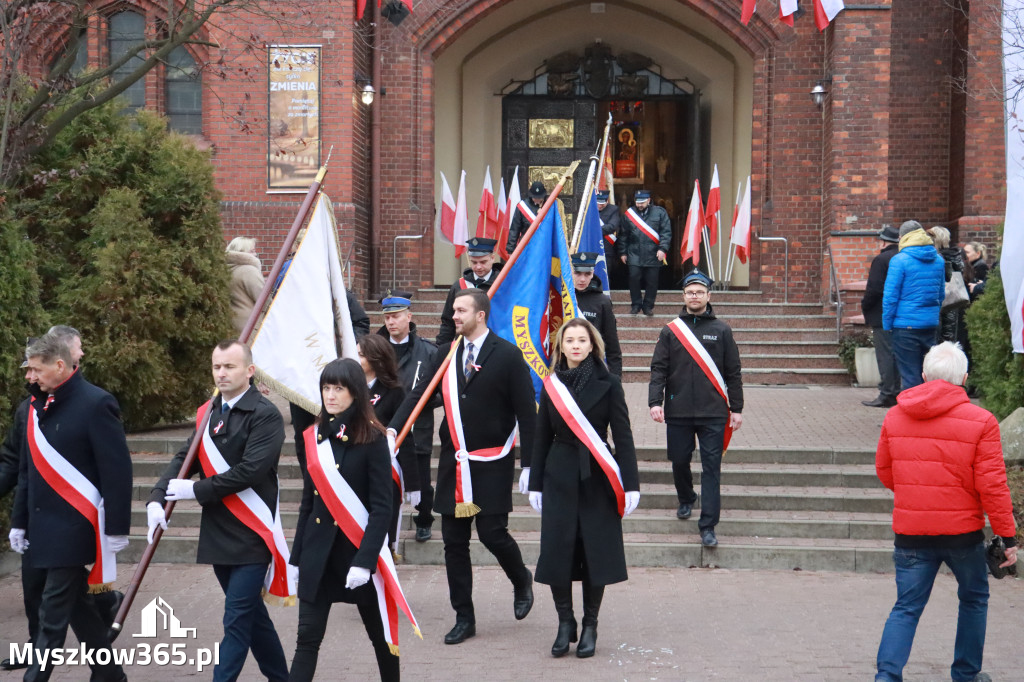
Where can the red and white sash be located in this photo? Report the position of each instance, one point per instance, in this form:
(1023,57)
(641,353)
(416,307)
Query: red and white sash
(527,212)
(352,517)
(463,284)
(399,478)
(250,509)
(639,223)
(700,355)
(611,238)
(570,411)
(76,490)
(464,506)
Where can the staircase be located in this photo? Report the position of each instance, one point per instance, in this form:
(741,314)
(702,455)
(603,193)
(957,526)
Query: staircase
(806,508)
(779,343)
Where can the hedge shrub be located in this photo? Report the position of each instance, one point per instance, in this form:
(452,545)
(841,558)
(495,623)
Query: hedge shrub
(995,370)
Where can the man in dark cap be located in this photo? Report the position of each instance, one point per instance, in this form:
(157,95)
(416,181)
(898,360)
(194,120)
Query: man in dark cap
(871,306)
(480,274)
(611,221)
(526,211)
(414,355)
(643,243)
(697,390)
(596,307)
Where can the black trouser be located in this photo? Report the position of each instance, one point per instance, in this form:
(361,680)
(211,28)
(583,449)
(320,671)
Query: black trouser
(65,600)
(33,580)
(645,278)
(423,434)
(492,529)
(889,386)
(312,627)
(680,451)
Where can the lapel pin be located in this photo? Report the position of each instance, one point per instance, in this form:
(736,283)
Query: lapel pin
(218,427)
(341,433)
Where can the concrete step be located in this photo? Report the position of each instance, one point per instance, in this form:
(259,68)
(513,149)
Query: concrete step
(764,376)
(779,361)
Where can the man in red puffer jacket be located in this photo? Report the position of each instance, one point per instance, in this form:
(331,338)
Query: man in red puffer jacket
(942,457)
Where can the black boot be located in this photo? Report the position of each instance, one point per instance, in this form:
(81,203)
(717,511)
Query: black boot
(592,596)
(566,620)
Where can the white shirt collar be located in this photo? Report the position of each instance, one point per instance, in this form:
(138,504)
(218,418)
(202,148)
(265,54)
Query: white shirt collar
(478,342)
(398,343)
(234,401)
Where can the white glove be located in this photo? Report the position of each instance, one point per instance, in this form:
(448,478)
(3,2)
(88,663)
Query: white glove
(632,500)
(155,517)
(524,481)
(117,542)
(413,497)
(535,500)
(357,577)
(391,443)
(17,539)
(179,489)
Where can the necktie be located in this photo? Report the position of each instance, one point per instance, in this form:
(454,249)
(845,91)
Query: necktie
(469,359)
(224,407)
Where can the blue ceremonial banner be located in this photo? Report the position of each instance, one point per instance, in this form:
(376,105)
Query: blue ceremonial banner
(536,296)
(592,241)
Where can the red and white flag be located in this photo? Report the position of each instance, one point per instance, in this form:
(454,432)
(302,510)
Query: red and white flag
(446,213)
(606,179)
(787,8)
(487,214)
(824,11)
(361,7)
(514,198)
(460,230)
(694,225)
(749,7)
(713,207)
(502,205)
(741,227)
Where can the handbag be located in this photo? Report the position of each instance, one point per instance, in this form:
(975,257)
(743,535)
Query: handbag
(957,297)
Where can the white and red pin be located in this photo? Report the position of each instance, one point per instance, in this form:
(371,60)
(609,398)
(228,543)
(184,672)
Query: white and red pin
(218,427)
(375,399)
(341,433)
(476,367)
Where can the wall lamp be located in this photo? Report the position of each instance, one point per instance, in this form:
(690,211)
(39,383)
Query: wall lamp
(366,91)
(820,91)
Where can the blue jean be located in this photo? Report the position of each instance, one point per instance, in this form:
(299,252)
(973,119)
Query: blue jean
(247,625)
(915,575)
(910,346)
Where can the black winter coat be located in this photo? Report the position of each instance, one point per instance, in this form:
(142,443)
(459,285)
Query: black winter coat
(637,247)
(446,334)
(321,550)
(491,400)
(83,423)
(611,224)
(576,510)
(597,309)
(871,303)
(412,367)
(250,441)
(386,402)
(677,377)
(520,223)
(10,449)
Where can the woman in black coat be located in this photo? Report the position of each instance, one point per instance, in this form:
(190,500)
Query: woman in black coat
(581,530)
(331,568)
(380,366)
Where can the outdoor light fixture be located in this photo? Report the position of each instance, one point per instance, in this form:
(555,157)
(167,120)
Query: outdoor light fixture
(366,91)
(820,91)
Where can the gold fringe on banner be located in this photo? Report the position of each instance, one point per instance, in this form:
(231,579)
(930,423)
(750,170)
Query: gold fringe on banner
(274,600)
(285,392)
(464,510)
(101,588)
(393,648)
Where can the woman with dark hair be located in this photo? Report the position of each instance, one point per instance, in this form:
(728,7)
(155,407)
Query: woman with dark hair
(380,366)
(580,488)
(333,567)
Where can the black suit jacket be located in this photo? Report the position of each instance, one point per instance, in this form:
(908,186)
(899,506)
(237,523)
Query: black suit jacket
(491,401)
(446,333)
(250,441)
(83,423)
(321,550)
(388,402)
(10,449)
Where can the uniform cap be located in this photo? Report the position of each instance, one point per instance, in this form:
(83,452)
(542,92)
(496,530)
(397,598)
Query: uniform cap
(695,276)
(537,189)
(584,262)
(602,196)
(394,301)
(480,246)
(642,194)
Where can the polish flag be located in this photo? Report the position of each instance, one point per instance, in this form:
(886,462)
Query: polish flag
(446,216)
(460,231)
(606,179)
(749,7)
(487,219)
(787,8)
(510,211)
(694,225)
(502,208)
(741,227)
(714,206)
(824,11)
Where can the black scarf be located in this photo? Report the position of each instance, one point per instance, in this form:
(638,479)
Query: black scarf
(577,377)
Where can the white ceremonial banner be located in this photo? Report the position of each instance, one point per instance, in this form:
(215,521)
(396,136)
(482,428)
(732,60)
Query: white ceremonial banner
(1011,260)
(308,321)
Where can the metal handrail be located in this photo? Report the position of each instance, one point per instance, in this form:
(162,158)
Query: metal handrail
(394,254)
(785,291)
(835,292)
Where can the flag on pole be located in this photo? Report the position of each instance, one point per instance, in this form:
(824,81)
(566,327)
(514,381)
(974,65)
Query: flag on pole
(714,206)
(606,178)
(487,218)
(502,206)
(694,225)
(1011,261)
(749,7)
(361,6)
(824,11)
(787,8)
(460,231)
(741,227)
(510,208)
(306,317)
(536,297)
(446,214)
(592,241)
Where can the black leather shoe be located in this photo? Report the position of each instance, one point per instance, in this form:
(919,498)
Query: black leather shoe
(649,313)
(879,402)
(522,599)
(707,538)
(588,641)
(423,533)
(634,310)
(8,664)
(566,634)
(460,633)
(115,606)
(684,512)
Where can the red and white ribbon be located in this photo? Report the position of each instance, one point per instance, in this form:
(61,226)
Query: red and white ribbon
(78,491)
(399,478)
(527,212)
(351,515)
(570,411)
(611,238)
(250,509)
(700,355)
(463,480)
(639,223)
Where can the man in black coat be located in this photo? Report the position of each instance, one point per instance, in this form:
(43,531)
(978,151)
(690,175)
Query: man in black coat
(248,431)
(871,306)
(481,274)
(70,423)
(494,392)
(525,212)
(644,240)
(415,355)
(611,224)
(688,400)
(596,307)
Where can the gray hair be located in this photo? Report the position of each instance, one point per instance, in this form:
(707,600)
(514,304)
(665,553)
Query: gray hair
(946,361)
(242,244)
(941,237)
(909,226)
(64,332)
(50,347)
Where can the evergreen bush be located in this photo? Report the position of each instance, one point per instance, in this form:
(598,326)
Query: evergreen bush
(995,370)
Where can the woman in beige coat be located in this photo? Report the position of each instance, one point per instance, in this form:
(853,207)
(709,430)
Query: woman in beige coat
(246,279)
